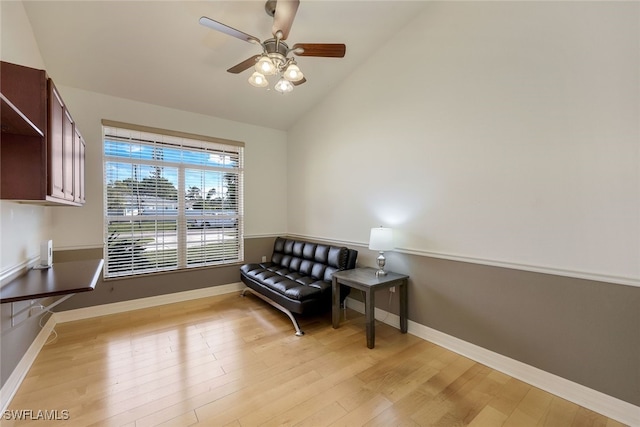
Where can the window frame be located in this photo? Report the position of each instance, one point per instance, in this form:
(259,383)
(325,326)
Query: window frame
(185,259)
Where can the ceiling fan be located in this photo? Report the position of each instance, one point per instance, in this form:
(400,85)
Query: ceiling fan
(275,58)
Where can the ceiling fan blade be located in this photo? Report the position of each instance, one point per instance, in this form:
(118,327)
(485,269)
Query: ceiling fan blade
(283,17)
(299,82)
(218,26)
(244,65)
(330,50)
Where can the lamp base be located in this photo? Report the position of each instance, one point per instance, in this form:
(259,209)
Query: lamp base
(381,262)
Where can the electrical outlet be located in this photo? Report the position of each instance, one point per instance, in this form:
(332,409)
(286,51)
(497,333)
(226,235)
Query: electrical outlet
(392,289)
(264,258)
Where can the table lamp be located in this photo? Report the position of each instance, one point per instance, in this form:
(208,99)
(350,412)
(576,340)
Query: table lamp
(381,239)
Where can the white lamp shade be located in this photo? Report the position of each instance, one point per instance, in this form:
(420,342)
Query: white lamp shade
(381,239)
(258,80)
(283,86)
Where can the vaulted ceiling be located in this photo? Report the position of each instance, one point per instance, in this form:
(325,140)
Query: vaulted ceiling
(156,52)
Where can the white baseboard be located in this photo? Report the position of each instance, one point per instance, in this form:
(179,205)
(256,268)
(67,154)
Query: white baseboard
(599,402)
(10,387)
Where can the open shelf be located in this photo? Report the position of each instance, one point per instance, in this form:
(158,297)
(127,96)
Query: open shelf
(61,279)
(14,121)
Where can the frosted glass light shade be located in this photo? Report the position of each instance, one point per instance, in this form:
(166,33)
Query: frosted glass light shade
(293,73)
(381,239)
(265,66)
(283,86)
(258,80)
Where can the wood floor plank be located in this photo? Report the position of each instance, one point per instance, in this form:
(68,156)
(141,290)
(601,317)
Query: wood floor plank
(560,412)
(488,417)
(509,396)
(325,416)
(311,390)
(364,412)
(587,418)
(307,411)
(232,361)
(535,403)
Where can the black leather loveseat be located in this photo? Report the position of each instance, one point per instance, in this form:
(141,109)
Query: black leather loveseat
(298,277)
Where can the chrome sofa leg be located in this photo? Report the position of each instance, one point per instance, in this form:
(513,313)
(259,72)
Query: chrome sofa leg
(286,311)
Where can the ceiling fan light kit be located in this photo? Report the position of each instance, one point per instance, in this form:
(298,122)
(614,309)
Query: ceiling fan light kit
(293,73)
(283,86)
(258,80)
(265,66)
(275,59)
(274,62)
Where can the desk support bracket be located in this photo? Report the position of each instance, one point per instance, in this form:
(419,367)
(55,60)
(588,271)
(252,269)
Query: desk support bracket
(32,306)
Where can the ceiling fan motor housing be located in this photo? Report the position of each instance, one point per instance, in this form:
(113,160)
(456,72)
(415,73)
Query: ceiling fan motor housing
(274,46)
(276,50)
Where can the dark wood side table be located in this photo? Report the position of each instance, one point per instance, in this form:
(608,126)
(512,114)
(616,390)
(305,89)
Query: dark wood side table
(365,279)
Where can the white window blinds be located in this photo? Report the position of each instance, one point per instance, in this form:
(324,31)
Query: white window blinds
(171,201)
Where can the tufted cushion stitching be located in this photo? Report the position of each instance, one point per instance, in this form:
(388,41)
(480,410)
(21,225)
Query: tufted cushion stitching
(286,261)
(295,264)
(337,257)
(305,280)
(317,271)
(309,251)
(278,246)
(288,247)
(328,272)
(305,267)
(276,258)
(322,252)
(297,249)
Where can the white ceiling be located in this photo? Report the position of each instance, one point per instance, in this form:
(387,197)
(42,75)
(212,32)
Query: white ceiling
(156,52)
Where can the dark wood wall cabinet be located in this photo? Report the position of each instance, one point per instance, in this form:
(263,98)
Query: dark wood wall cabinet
(42,153)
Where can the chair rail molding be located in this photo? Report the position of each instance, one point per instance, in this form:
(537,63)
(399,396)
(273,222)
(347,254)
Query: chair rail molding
(586,275)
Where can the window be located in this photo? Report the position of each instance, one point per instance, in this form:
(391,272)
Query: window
(172,200)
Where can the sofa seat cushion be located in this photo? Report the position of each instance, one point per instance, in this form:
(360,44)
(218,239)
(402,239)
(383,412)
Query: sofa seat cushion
(291,284)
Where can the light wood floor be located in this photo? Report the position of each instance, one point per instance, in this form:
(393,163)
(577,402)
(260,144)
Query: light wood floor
(232,361)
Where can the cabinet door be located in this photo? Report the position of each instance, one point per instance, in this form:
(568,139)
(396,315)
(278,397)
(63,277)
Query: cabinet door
(67,160)
(55,143)
(78,167)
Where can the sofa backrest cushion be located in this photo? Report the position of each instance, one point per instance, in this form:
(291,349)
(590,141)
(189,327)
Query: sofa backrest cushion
(312,259)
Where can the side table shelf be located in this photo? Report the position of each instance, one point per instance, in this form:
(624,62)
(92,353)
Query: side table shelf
(365,279)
